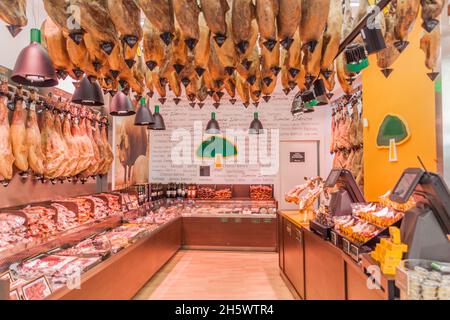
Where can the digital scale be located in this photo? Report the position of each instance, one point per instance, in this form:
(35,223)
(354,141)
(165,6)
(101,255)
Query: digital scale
(426,227)
(340,203)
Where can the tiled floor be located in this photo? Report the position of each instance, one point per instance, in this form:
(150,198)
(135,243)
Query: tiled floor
(211,275)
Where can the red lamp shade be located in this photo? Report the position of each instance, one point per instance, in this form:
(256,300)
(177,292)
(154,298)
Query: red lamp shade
(121,105)
(34,66)
(88,93)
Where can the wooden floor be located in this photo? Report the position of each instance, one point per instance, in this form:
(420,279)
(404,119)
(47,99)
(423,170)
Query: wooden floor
(217,275)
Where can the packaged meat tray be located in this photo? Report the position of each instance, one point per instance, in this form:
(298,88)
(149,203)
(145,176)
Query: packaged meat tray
(382,217)
(98,246)
(356,230)
(66,219)
(41,221)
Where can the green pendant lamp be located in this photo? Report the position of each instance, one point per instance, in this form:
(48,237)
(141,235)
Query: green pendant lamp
(213,126)
(33,66)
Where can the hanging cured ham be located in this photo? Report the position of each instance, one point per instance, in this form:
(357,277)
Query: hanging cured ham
(18,135)
(34,143)
(72,147)
(66,15)
(312,62)
(179,52)
(98,58)
(430,43)
(52,147)
(293,59)
(88,149)
(270,59)
(92,169)
(56,45)
(109,156)
(201,52)
(387,56)
(126,16)
(243,90)
(288,20)
(186,13)
(407,11)
(313,21)
(226,53)
(154,50)
(83,159)
(214,12)
(13,13)
(159,84)
(94,18)
(331,37)
(100,146)
(345,79)
(79,57)
(266,15)
(431,10)
(69,162)
(6,153)
(160,14)
(243,13)
(216,71)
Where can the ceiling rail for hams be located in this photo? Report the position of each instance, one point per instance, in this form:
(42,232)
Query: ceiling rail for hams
(49,139)
(227,49)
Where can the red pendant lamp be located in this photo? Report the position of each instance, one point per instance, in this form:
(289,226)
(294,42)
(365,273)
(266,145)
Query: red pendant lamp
(34,66)
(121,105)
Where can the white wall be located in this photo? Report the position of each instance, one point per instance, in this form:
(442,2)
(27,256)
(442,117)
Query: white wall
(274,115)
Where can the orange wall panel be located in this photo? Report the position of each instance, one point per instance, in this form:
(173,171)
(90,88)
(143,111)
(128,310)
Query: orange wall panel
(409,93)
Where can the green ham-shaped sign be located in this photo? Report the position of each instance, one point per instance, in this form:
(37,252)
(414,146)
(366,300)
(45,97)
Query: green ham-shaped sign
(393,127)
(216,145)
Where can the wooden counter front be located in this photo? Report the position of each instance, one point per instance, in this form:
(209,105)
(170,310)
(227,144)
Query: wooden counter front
(245,233)
(124,274)
(324,269)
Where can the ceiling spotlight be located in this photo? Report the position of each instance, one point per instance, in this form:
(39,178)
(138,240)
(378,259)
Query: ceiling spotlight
(158,124)
(256,126)
(34,66)
(309,99)
(213,126)
(144,116)
(356,58)
(373,39)
(320,92)
(88,93)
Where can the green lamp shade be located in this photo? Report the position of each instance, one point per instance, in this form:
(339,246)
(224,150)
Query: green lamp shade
(356,58)
(213,126)
(158,121)
(144,116)
(256,126)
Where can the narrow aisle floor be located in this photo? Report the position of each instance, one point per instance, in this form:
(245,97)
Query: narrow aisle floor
(211,275)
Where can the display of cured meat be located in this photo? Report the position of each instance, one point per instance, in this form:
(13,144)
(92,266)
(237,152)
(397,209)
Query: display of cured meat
(214,12)
(34,142)
(65,218)
(19,147)
(79,57)
(431,10)
(85,208)
(114,205)
(186,13)
(160,13)
(13,13)
(6,153)
(430,43)
(407,11)
(288,20)
(86,143)
(126,16)
(347,137)
(332,37)
(12,231)
(313,21)
(41,221)
(201,52)
(100,207)
(56,44)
